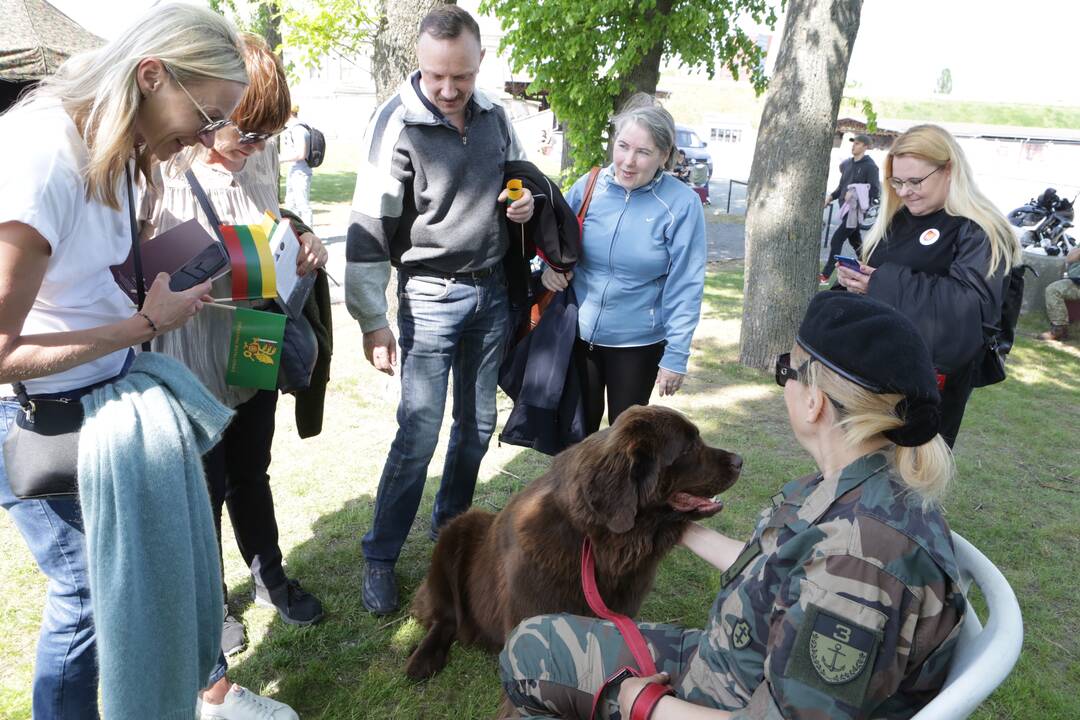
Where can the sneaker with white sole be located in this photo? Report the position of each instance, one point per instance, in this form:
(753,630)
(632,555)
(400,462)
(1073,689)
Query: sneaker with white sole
(242,704)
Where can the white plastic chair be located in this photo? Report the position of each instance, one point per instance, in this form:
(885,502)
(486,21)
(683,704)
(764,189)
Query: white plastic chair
(984,656)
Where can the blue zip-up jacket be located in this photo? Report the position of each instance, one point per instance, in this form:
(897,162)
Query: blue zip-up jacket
(642,271)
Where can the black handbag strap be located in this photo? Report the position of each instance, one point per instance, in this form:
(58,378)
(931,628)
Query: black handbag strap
(136,254)
(204,203)
(140,284)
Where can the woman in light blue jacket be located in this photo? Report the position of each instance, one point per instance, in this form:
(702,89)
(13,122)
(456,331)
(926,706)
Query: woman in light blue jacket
(640,281)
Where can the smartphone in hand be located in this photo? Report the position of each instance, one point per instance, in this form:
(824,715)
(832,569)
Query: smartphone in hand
(849,262)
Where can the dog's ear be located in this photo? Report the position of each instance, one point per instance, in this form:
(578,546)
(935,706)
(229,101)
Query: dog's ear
(608,488)
(627,477)
(640,434)
(645,465)
(610,493)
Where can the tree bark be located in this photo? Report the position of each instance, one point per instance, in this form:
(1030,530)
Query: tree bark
(393,48)
(646,74)
(268,24)
(789,174)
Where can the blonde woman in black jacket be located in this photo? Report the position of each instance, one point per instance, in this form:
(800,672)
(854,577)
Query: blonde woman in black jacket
(940,253)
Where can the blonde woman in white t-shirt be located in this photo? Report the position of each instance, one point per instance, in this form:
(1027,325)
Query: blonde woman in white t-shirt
(169,81)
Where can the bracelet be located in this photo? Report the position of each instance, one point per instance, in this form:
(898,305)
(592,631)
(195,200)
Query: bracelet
(647,700)
(144,316)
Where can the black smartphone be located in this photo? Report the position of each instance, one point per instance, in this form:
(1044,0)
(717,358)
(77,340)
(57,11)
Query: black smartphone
(200,268)
(849,262)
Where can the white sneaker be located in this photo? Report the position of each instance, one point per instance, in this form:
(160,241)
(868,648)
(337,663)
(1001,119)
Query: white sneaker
(242,704)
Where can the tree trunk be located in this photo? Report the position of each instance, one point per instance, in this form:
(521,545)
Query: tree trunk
(393,48)
(268,23)
(789,174)
(646,74)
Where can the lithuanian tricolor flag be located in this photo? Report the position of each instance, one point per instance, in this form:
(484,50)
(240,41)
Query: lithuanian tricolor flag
(252,263)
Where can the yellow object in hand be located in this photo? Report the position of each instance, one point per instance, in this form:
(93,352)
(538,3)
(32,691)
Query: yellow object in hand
(513,189)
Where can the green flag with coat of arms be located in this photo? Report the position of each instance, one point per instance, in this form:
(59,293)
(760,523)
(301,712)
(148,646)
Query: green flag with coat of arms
(255,349)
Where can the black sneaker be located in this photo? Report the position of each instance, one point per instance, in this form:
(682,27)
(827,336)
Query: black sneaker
(233,636)
(295,605)
(379,592)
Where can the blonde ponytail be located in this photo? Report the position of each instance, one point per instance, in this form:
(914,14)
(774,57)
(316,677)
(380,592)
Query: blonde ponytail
(926,469)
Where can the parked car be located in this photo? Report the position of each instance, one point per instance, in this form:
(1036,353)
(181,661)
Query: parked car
(687,140)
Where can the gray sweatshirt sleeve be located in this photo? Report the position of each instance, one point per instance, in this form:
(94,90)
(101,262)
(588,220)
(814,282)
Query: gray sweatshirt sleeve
(376,210)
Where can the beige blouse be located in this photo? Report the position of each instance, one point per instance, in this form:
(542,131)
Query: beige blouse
(238,198)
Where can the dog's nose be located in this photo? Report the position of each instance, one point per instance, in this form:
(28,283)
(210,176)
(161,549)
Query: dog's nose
(736,462)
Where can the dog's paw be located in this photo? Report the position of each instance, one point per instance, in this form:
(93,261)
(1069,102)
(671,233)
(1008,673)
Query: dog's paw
(424,665)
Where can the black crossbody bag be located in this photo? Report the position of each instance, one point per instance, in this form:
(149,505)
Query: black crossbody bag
(41,451)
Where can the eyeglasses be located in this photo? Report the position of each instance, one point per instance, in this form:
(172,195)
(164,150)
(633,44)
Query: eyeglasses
(250,138)
(915,183)
(785,372)
(211,126)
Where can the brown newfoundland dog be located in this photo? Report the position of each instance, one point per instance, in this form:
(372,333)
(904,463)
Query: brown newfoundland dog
(632,488)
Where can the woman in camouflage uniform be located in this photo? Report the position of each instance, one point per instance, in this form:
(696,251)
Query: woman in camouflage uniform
(845,602)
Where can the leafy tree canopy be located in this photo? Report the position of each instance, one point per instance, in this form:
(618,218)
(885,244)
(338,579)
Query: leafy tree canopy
(588,55)
(311,29)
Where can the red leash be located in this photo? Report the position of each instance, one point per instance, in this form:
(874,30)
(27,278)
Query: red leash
(627,627)
(653,692)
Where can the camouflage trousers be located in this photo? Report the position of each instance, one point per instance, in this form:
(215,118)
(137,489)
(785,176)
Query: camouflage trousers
(1056,294)
(553,665)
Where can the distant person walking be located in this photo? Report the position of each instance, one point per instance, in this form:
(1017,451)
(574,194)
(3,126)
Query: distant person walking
(859,168)
(294,149)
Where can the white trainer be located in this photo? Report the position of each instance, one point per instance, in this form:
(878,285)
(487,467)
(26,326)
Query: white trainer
(242,704)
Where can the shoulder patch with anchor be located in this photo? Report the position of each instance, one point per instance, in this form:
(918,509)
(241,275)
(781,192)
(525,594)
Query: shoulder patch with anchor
(834,655)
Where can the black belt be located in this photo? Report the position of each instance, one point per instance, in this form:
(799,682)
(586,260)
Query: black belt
(475,275)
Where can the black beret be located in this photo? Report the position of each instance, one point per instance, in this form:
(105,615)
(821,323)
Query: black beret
(875,347)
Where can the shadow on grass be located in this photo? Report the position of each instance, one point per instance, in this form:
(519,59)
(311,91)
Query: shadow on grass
(351,664)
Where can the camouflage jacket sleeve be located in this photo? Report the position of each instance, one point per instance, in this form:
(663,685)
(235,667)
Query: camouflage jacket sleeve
(862,627)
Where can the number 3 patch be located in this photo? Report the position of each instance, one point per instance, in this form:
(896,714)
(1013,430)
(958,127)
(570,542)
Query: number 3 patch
(833,654)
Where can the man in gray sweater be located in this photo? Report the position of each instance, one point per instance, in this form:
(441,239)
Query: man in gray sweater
(429,201)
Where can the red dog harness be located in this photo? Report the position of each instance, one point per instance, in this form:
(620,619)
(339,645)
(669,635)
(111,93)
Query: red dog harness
(646,701)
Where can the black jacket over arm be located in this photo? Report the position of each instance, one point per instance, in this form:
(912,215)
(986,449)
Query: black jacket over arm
(552,232)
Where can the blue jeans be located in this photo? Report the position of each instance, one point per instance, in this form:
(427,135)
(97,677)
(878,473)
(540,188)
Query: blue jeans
(446,325)
(65,670)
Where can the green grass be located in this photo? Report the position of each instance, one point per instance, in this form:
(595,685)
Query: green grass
(692,97)
(329,187)
(1017,499)
(1036,116)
